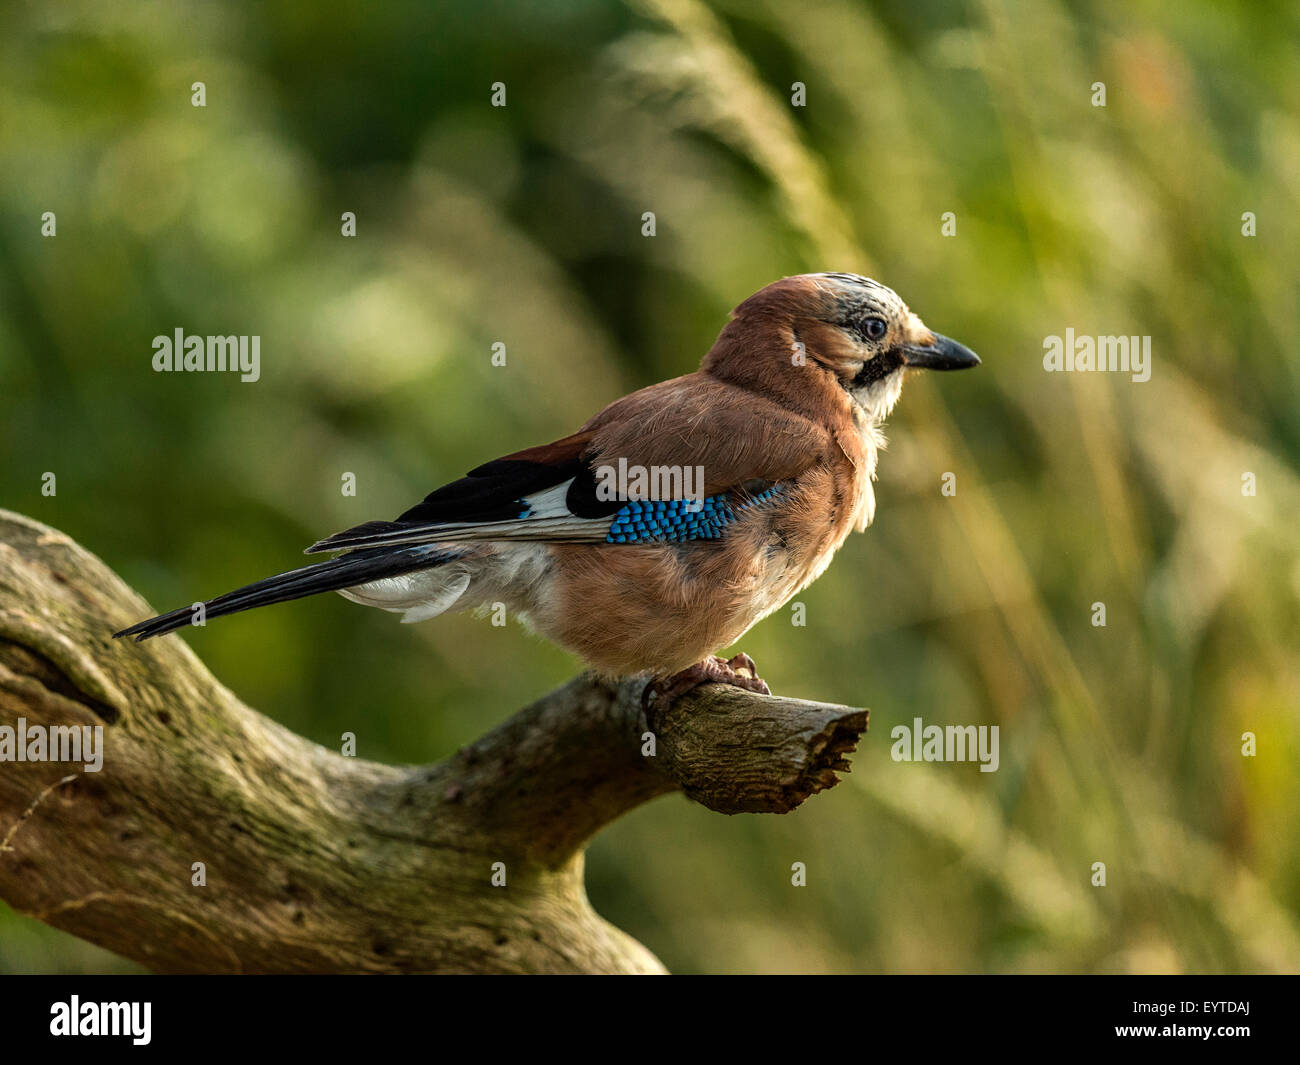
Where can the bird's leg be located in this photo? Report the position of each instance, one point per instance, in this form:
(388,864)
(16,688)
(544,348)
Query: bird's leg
(746,674)
(738,671)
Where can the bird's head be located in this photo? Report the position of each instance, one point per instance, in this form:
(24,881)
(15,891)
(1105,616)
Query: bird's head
(852,334)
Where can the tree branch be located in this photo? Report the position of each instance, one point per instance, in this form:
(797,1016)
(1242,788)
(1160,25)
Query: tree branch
(319,863)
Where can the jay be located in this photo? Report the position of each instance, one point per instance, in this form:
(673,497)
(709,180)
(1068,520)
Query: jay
(779,431)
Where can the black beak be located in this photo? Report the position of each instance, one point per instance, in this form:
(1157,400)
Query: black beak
(942,353)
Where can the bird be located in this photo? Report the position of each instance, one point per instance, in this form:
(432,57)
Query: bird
(673,520)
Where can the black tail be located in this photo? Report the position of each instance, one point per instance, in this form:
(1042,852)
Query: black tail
(346,571)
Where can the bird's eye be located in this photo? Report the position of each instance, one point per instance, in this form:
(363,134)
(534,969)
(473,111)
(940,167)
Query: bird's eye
(875,328)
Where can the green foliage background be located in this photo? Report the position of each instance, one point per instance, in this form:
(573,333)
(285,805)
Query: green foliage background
(522,225)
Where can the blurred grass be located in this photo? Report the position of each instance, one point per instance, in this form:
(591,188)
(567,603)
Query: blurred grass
(522,225)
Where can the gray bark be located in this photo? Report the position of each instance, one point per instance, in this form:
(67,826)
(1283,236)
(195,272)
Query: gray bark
(320,863)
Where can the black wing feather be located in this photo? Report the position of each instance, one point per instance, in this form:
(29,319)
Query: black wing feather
(493,492)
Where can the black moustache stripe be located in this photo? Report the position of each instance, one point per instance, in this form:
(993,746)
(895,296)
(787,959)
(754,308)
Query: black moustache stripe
(878,368)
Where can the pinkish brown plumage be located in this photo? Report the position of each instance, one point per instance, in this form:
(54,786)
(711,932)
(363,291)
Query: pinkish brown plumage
(782,419)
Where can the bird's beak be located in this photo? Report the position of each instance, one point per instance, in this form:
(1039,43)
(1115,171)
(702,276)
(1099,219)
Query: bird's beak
(939,353)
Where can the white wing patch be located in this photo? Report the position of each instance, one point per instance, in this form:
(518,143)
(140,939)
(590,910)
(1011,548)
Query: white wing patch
(550,502)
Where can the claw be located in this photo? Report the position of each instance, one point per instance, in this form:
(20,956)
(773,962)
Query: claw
(738,671)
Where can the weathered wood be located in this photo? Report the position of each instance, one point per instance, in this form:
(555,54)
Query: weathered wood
(320,863)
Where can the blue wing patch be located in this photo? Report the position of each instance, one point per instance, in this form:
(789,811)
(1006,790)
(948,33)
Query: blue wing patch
(679,520)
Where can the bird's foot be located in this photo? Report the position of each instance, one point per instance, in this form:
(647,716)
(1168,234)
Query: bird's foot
(738,671)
